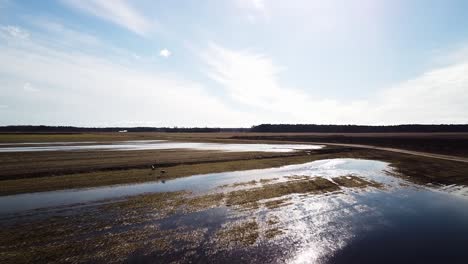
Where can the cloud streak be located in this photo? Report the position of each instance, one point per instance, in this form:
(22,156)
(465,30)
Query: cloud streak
(86,90)
(255,9)
(15,32)
(28,87)
(436,96)
(119,12)
(82,88)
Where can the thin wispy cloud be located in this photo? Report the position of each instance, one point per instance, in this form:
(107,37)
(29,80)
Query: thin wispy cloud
(64,33)
(119,12)
(78,82)
(436,96)
(248,77)
(28,87)
(257,5)
(15,31)
(254,9)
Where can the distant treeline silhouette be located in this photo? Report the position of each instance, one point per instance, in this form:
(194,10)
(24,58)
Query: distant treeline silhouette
(72,129)
(302,128)
(271,128)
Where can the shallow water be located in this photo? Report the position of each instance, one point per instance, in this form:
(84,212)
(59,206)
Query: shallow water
(152,145)
(197,183)
(406,225)
(400,223)
(369,169)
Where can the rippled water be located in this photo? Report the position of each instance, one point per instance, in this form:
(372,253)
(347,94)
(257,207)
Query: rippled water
(152,144)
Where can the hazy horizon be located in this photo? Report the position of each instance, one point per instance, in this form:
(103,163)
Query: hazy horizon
(236,63)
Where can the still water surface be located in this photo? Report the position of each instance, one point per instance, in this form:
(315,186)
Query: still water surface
(400,223)
(197,183)
(151,145)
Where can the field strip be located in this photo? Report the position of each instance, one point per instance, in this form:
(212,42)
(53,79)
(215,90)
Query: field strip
(410,152)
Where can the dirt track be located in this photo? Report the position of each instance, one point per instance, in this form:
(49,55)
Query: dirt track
(410,152)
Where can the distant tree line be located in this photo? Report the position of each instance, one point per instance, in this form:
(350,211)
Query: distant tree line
(72,129)
(302,128)
(271,128)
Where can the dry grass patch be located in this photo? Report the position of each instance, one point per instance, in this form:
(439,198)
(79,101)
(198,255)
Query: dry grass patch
(245,233)
(105,178)
(269,191)
(272,233)
(352,181)
(265,181)
(277,203)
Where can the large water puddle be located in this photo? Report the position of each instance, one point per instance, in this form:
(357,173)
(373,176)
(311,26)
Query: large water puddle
(152,145)
(374,170)
(369,216)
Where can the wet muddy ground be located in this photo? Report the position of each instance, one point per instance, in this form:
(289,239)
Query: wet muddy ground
(325,211)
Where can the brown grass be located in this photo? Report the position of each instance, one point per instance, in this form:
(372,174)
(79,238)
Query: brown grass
(56,163)
(104,178)
(245,234)
(413,168)
(269,191)
(352,181)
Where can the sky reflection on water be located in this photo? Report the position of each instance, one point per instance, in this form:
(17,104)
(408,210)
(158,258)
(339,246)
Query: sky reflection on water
(399,223)
(154,145)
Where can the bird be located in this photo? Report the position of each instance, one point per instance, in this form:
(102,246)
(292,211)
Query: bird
(153,166)
(163,171)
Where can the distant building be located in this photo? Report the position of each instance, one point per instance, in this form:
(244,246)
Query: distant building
(123,131)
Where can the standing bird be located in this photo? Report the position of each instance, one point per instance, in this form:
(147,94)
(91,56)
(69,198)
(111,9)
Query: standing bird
(153,166)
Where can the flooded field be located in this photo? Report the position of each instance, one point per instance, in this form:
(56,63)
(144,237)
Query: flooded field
(151,145)
(196,183)
(325,211)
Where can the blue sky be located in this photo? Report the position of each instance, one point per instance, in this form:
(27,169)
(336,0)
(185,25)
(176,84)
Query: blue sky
(233,63)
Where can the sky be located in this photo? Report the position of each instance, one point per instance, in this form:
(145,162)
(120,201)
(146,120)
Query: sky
(233,63)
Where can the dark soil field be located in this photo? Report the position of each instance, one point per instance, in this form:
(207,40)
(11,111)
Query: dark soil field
(56,163)
(441,143)
(455,144)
